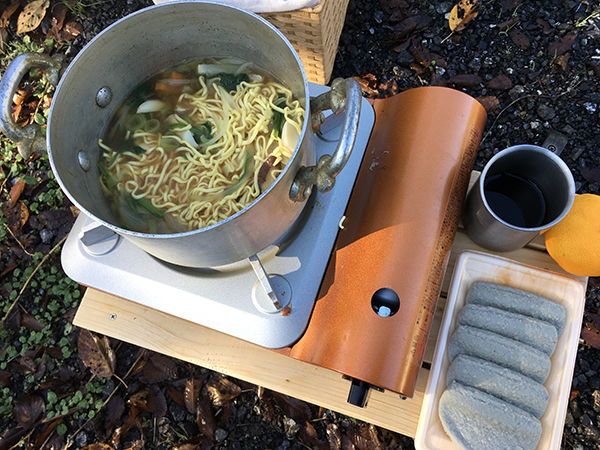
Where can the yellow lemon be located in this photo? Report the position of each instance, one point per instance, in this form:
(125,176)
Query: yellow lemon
(574,242)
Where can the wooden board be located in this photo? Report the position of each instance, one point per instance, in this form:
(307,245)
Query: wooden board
(160,332)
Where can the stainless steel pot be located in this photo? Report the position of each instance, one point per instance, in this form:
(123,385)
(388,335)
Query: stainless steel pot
(128,52)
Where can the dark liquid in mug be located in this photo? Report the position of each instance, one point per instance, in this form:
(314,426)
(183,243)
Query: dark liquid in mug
(515,200)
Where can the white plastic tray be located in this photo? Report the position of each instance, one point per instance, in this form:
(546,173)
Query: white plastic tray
(476,266)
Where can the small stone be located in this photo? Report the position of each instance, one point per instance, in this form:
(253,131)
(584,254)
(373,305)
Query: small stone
(46,236)
(443,7)
(291,427)
(284,445)
(475,64)
(81,440)
(590,107)
(220,435)
(545,112)
(517,91)
(483,45)
(405,59)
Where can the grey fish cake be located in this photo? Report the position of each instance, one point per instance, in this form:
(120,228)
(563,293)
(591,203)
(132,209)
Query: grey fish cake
(501,382)
(501,350)
(475,420)
(537,333)
(517,300)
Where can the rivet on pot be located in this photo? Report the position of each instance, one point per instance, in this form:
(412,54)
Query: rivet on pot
(84,160)
(103,97)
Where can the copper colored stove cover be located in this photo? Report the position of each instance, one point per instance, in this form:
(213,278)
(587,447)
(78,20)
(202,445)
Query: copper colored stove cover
(397,234)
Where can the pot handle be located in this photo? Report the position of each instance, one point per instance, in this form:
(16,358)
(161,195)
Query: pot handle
(345,94)
(30,138)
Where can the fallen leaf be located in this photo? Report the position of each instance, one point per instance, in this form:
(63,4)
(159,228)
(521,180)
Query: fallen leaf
(509,5)
(595,68)
(177,396)
(509,23)
(8,12)
(387,89)
(418,69)
(9,268)
(561,46)
(114,410)
(392,6)
(138,444)
(43,440)
(98,447)
(463,12)
(438,60)
(96,353)
(11,437)
(545,26)
(499,82)
(152,374)
(31,16)
(309,436)
(410,25)
(561,63)
(292,407)
(157,403)
(465,80)
(70,31)
(222,390)
(334,436)
(420,54)
(59,14)
(590,331)
(17,217)
(206,419)
(437,79)
(5,379)
(592,174)
(22,96)
(191,394)
(519,38)
(31,323)
(165,364)
(574,393)
(3,38)
(28,410)
(490,103)
(16,191)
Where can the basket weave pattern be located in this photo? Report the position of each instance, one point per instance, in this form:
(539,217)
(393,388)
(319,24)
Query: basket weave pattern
(314,33)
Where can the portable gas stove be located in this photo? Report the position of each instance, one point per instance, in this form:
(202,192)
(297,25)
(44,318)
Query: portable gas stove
(230,299)
(364,262)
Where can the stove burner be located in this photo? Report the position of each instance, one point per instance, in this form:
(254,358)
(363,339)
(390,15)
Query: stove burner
(231,299)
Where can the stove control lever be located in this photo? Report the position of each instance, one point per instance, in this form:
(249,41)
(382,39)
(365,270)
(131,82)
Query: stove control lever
(263,277)
(94,233)
(97,239)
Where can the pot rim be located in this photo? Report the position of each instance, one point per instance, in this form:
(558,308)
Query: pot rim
(151,10)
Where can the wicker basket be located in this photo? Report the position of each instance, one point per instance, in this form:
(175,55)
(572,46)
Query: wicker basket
(314,33)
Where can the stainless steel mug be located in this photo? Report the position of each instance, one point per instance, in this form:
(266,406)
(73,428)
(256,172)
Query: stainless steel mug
(522,191)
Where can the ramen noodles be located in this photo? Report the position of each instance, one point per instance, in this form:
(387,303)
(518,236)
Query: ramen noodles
(197,143)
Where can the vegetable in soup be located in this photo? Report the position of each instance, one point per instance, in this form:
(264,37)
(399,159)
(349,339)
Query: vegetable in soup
(197,143)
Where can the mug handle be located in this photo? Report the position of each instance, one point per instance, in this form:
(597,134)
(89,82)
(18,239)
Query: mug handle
(555,142)
(345,94)
(30,138)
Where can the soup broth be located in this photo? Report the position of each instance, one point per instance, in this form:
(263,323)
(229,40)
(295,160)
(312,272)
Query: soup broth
(197,143)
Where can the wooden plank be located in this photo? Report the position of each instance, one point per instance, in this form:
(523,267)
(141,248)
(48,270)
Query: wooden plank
(160,332)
